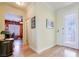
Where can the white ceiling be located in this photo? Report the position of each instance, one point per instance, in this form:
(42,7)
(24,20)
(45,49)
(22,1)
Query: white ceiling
(57,5)
(52,5)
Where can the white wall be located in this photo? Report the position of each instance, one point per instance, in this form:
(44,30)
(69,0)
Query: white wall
(31,32)
(41,38)
(45,36)
(60,20)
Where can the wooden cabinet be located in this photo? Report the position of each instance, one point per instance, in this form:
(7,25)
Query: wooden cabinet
(6,48)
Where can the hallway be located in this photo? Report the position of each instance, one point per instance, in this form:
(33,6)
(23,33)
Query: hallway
(57,51)
(44,26)
(20,51)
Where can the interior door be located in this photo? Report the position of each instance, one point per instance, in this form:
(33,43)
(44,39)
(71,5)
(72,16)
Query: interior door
(69,30)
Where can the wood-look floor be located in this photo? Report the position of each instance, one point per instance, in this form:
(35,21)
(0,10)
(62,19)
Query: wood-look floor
(57,51)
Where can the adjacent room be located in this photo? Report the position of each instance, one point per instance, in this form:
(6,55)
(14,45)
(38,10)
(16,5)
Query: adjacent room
(39,29)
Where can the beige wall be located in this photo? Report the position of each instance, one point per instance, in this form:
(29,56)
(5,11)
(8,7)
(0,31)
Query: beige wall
(10,9)
(41,38)
(2,11)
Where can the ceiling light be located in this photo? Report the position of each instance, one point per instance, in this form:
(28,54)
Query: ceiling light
(20,3)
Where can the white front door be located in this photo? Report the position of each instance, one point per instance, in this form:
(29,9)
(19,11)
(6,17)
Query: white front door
(69,30)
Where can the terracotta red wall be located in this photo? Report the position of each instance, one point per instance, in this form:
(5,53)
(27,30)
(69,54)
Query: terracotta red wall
(7,22)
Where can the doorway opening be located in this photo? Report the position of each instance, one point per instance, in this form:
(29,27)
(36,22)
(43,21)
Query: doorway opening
(14,24)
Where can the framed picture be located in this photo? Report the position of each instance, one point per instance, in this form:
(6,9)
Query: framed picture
(49,24)
(33,22)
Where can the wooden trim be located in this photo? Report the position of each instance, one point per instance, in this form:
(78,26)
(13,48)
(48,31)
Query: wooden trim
(7,22)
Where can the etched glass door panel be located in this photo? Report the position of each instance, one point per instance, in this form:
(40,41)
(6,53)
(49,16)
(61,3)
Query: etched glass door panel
(69,30)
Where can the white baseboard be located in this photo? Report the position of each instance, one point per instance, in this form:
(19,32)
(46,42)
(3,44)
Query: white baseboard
(67,46)
(39,51)
(33,49)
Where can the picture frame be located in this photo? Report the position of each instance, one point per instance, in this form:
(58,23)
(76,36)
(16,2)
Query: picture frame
(49,24)
(33,22)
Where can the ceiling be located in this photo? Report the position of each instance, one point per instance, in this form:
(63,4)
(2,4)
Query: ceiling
(52,5)
(57,5)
